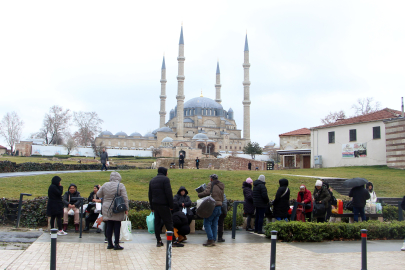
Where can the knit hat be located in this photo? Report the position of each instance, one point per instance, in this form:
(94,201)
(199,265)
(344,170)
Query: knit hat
(318,183)
(249,180)
(214,176)
(261,178)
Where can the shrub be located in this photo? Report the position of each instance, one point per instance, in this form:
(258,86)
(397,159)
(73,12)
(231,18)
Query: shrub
(138,219)
(390,212)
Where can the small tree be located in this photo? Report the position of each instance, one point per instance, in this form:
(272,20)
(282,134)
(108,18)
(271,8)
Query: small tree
(332,117)
(97,147)
(252,149)
(156,151)
(365,106)
(70,143)
(55,123)
(89,126)
(11,128)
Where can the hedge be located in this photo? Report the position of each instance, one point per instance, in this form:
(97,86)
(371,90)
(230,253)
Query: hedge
(8,166)
(317,232)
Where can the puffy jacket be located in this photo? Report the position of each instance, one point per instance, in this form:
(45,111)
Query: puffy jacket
(178,200)
(322,195)
(160,191)
(217,192)
(248,207)
(360,196)
(55,204)
(281,203)
(260,197)
(67,197)
(179,219)
(306,198)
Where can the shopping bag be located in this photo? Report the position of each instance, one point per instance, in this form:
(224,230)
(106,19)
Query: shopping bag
(98,208)
(71,212)
(206,207)
(184,211)
(150,222)
(378,208)
(319,210)
(367,208)
(125,234)
(99,224)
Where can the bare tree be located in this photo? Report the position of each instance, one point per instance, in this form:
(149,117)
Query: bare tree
(11,128)
(89,126)
(55,123)
(156,151)
(97,147)
(332,117)
(70,143)
(365,106)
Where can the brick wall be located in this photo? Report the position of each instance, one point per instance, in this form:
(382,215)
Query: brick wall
(395,143)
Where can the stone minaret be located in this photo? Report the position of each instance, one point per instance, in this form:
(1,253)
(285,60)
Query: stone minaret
(246,94)
(163,81)
(218,86)
(180,87)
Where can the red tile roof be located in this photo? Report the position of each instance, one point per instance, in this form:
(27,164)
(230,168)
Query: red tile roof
(2,147)
(370,117)
(302,131)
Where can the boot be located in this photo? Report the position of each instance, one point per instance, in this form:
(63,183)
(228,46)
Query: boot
(180,238)
(209,243)
(220,239)
(76,227)
(65,227)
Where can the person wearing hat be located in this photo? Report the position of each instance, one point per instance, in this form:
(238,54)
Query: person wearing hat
(260,201)
(305,196)
(321,196)
(54,208)
(281,203)
(248,207)
(211,223)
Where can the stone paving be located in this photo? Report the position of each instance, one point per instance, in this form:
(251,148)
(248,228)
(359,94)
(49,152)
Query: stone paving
(233,254)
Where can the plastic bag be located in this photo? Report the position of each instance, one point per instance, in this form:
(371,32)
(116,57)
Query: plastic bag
(150,222)
(206,207)
(125,233)
(184,211)
(98,208)
(99,224)
(71,212)
(378,208)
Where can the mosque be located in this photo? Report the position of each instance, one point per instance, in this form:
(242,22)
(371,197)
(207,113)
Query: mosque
(198,126)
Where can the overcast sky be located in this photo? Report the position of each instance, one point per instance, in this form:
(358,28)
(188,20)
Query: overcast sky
(307,58)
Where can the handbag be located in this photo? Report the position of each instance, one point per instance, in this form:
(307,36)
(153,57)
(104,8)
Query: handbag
(118,203)
(125,233)
(319,210)
(207,205)
(349,206)
(150,222)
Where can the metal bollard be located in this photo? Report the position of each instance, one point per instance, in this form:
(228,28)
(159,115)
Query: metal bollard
(54,236)
(363,249)
(19,207)
(169,236)
(273,250)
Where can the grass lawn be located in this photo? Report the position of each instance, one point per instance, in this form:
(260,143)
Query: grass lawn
(387,181)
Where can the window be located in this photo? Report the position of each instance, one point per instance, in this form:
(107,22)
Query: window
(226,147)
(220,147)
(331,136)
(352,135)
(376,132)
(230,147)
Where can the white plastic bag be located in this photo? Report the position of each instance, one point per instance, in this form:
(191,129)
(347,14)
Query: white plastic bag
(98,224)
(71,212)
(184,211)
(98,208)
(125,233)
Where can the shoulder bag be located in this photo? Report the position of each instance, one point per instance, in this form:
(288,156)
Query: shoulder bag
(207,205)
(118,203)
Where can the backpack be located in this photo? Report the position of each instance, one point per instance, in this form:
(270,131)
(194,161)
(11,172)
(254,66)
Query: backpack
(118,203)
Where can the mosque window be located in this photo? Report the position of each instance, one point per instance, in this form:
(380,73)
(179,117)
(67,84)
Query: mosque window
(226,147)
(240,148)
(230,147)
(140,144)
(220,147)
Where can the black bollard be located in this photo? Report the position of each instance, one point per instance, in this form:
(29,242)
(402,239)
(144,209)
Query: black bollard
(19,207)
(169,236)
(235,210)
(54,236)
(363,249)
(273,250)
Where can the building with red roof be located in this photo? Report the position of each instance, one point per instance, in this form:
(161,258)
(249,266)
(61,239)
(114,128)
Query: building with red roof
(3,150)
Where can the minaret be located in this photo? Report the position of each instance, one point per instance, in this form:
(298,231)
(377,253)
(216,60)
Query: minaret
(246,94)
(163,95)
(180,87)
(218,86)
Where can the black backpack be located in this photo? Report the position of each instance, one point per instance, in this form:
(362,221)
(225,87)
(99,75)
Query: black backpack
(118,203)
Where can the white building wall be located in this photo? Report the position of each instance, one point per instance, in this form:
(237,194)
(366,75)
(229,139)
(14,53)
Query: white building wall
(332,152)
(87,152)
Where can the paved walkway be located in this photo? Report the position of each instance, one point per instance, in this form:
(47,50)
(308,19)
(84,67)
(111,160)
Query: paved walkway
(17,174)
(247,251)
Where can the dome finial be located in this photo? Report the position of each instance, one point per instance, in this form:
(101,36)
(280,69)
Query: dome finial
(201,94)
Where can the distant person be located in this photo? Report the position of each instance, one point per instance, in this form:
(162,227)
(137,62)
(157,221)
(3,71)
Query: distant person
(181,161)
(321,196)
(71,204)
(331,201)
(370,189)
(248,207)
(249,166)
(104,159)
(305,196)
(360,195)
(54,208)
(211,223)
(161,203)
(260,201)
(113,220)
(197,163)
(281,203)
(93,199)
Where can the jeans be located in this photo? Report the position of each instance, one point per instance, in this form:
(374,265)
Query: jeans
(279,218)
(357,211)
(260,211)
(211,223)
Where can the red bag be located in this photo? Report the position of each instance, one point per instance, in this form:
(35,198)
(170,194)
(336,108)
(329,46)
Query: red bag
(300,216)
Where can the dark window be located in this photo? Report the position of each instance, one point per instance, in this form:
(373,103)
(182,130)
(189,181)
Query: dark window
(230,147)
(331,136)
(226,147)
(376,133)
(353,136)
(220,147)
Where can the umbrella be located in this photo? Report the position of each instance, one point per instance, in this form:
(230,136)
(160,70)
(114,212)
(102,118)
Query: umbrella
(354,182)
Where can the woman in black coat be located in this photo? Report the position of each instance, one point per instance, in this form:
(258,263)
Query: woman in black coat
(248,207)
(281,203)
(55,204)
(260,201)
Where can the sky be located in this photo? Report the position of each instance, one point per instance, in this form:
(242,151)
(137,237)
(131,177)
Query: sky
(308,58)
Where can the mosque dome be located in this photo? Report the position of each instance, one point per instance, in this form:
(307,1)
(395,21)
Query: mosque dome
(202,102)
(121,134)
(200,136)
(167,139)
(272,144)
(188,120)
(136,134)
(164,129)
(155,131)
(230,110)
(149,135)
(106,133)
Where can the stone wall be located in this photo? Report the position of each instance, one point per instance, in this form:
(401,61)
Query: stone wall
(24,148)
(228,163)
(395,143)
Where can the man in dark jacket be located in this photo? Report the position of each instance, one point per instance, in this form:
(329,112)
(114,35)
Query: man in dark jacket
(281,203)
(71,204)
(181,200)
(161,203)
(197,163)
(181,161)
(360,195)
(260,201)
(103,159)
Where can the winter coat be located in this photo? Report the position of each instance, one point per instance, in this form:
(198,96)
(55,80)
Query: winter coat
(55,204)
(248,207)
(181,158)
(260,197)
(67,197)
(305,197)
(322,195)
(103,157)
(217,192)
(160,191)
(91,197)
(281,203)
(107,192)
(360,196)
(178,200)
(179,219)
